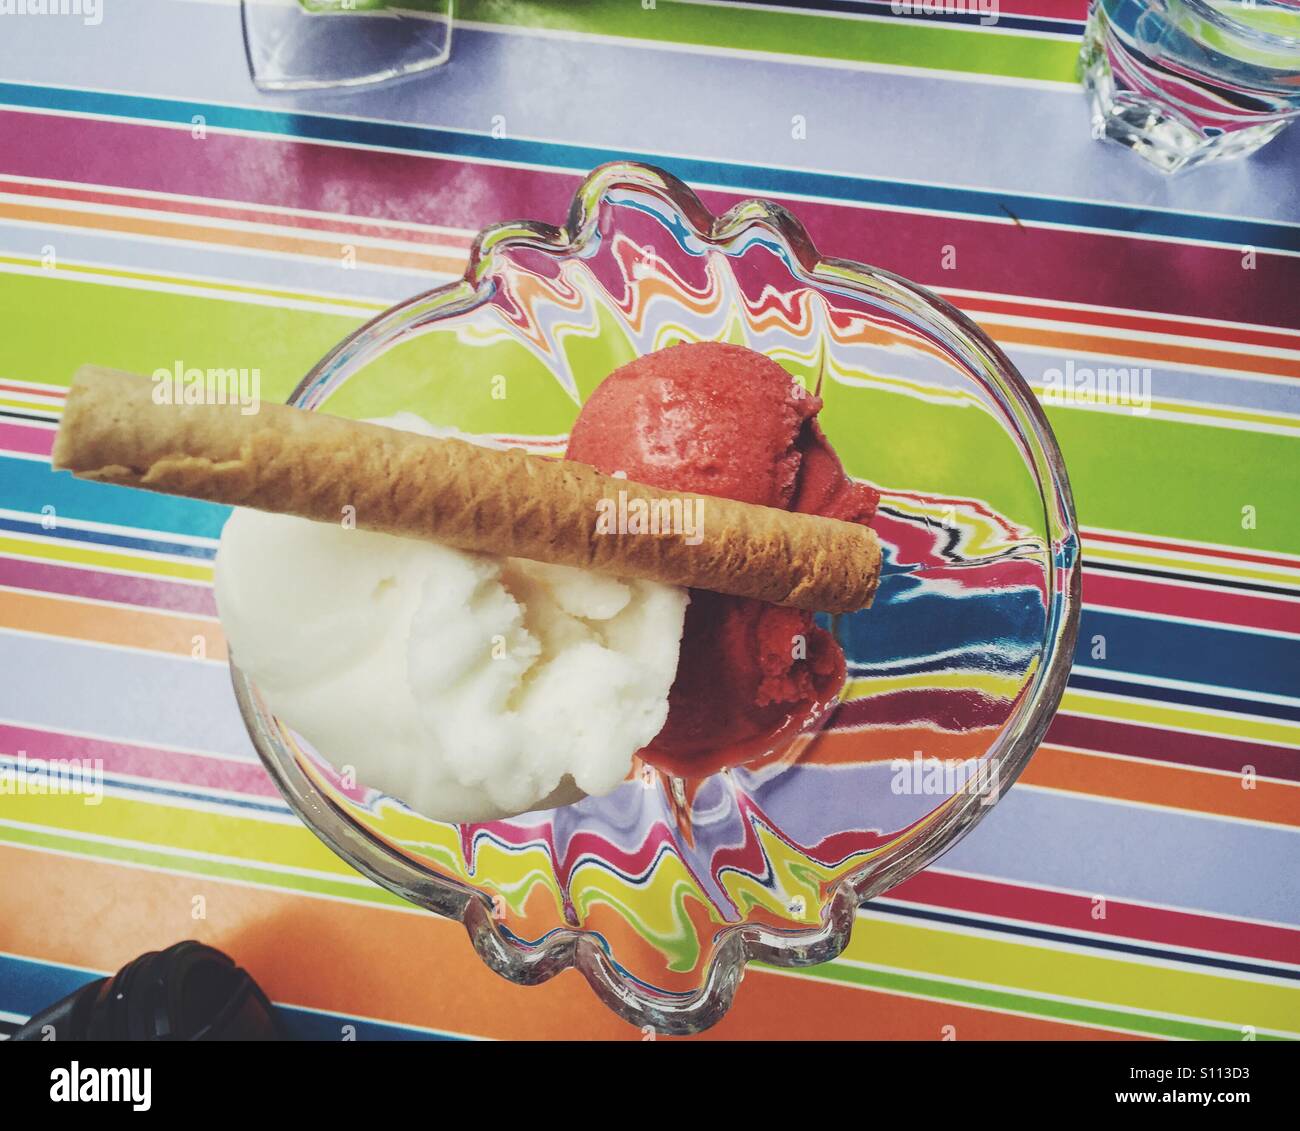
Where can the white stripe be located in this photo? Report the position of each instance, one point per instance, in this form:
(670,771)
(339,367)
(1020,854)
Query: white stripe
(1183,548)
(113,528)
(1056,889)
(1179,728)
(1183,685)
(548,168)
(981,1007)
(1144,614)
(105,646)
(1207,589)
(93,278)
(76,599)
(54,394)
(1234,775)
(868,16)
(115,571)
(1066,999)
(118,784)
(1138,337)
(223,223)
(61,732)
(288,820)
(779,57)
(1208,418)
(1118,311)
(225,202)
(1156,807)
(327,255)
(1275,579)
(1080,947)
(258,885)
(1213,712)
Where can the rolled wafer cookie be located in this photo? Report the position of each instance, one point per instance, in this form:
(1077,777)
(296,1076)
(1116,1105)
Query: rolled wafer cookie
(314,465)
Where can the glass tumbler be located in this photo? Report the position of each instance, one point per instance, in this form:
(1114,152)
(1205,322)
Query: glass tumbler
(1183,82)
(319,44)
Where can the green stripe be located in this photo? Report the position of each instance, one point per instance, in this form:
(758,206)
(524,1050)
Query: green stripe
(984,998)
(140,331)
(886,981)
(1177,479)
(1167,478)
(160,858)
(809,34)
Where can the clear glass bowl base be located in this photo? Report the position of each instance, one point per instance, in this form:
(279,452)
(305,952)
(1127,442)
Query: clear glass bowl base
(660,892)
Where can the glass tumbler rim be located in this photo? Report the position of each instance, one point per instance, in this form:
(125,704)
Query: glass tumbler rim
(1226,22)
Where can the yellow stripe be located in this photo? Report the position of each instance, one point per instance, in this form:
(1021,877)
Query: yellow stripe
(999,686)
(1095,552)
(1216,412)
(150,825)
(1203,413)
(106,559)
(1180,718)
(934,951)
(1037,969)
(205,284)
(42,406)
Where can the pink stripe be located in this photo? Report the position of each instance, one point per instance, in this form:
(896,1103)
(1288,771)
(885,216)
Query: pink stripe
(27,439)
(1083,267)
(935,888)
(1177,748)
(1246,610)
(1075,10)
(123,589)
(202,770)
(248,215)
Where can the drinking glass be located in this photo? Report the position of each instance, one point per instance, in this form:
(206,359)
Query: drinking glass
(1183,82)
(317,44)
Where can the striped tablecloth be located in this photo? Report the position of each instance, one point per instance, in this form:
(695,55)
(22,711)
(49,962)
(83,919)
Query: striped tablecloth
(1143,880)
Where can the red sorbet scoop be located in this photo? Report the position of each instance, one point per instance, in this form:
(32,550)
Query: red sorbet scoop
(719,419)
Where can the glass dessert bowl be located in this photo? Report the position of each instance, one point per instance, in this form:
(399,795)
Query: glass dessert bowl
(661,891)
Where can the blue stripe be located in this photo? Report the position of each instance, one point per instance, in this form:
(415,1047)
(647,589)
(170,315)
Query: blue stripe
(102,538)
(278,808)
(1223,657)
(998,631)
(28,986)
(1082,939)
(1184,698)
(896,195)
(29,485)
(308,1025)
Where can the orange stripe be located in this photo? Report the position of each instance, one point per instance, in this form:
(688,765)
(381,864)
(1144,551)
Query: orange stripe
(885,744)
(110,624)
(1053,767)
(416,969)
(1180,787)
(331,249)
(1135,347)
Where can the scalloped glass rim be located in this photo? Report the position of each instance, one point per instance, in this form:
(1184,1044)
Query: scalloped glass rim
(743,943)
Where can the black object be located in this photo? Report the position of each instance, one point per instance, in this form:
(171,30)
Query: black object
(188,992)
